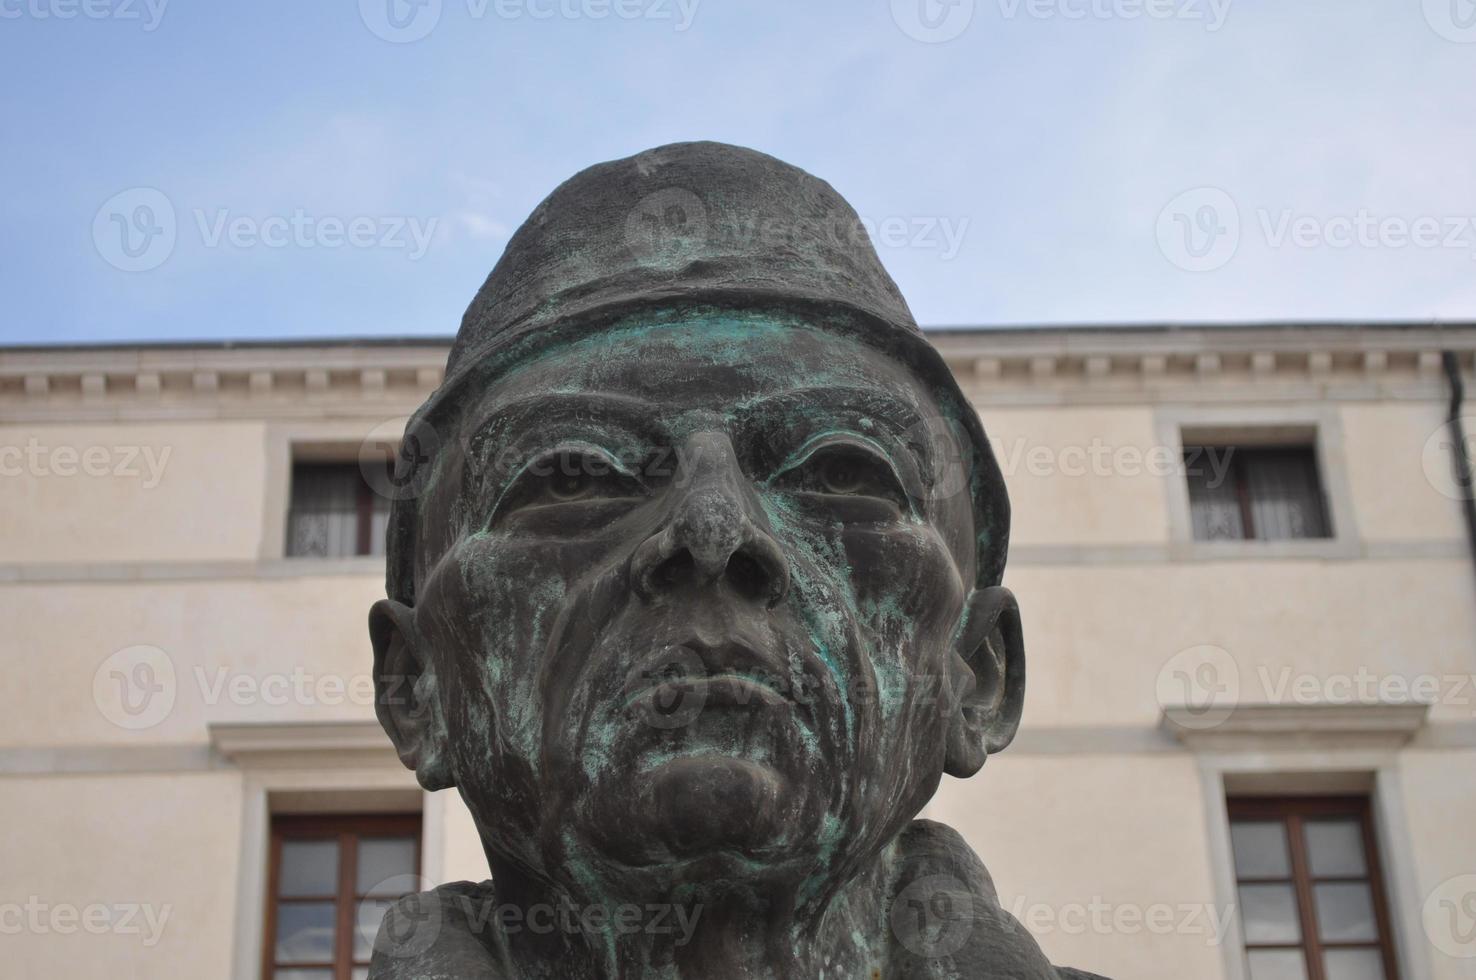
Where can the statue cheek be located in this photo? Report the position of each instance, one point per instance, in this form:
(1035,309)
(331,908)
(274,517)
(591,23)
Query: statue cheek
(906,585)
(502,597)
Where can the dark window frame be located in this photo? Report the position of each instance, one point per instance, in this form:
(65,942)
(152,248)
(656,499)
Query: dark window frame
(1240,453)
(1292,812)
(348,829)
(364,496)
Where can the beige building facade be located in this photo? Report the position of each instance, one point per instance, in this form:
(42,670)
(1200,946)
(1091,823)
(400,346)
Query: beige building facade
(1206,673)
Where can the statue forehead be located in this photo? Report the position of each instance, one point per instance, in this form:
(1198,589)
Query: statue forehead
(675,371)
(721,363)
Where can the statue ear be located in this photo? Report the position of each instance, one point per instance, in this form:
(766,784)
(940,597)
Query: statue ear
(405,699)
(989,689)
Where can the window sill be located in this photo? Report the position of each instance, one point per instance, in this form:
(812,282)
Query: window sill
(305,566)
(1302,548)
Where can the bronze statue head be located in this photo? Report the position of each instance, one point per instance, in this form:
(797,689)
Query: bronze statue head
(696,595)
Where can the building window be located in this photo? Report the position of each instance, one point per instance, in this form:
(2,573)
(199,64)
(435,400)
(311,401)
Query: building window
(334,512)
(1311,902)
(332,877)
(1262,493)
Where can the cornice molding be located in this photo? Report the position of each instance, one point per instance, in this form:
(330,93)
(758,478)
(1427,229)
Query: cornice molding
(1209,364)
(997,367)
(172,383)
(1269,727)
(304,745)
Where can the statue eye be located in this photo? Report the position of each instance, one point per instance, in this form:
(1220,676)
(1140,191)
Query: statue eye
(846,470)
(842,473)
(569,484)
(569,476)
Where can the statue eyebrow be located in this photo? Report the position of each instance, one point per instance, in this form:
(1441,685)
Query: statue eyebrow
(649,420)
(903,420)
(866,401)
(634,413)
(487,440)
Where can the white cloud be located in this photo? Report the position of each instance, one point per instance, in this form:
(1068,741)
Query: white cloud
(481,226)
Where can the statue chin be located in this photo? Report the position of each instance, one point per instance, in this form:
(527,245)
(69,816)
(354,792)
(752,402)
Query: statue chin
(732,809)
(712,802)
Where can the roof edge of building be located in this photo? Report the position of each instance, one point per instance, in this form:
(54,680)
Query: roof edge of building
(936,331)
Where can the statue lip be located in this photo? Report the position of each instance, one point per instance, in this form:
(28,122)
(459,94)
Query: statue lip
(740,691)
(726,674)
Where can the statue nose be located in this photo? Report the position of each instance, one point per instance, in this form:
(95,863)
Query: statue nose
(713,535)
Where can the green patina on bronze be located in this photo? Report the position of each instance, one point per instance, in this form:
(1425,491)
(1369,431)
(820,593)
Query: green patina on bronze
(696,581)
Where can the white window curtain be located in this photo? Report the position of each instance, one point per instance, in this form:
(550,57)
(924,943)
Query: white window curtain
(324,520)
(1276,488)
(1285,497)
(1214,503)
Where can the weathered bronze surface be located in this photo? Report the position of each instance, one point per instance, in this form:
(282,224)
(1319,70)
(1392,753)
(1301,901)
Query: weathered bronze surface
(694,595)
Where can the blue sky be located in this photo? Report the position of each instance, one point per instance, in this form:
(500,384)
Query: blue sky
(1024,161)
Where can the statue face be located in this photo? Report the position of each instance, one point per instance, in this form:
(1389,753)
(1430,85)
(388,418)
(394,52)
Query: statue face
(699,607)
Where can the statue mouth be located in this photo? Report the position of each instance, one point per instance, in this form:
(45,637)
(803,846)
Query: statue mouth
(676,684)
(718,690)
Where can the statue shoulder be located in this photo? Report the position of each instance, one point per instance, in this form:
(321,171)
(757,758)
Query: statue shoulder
(447,932)
(946,918)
